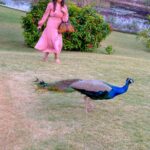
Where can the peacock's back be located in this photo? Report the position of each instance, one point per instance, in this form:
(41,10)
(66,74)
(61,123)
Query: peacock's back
(91,85)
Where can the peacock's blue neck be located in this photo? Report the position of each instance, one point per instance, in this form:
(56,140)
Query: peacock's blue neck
(118,90)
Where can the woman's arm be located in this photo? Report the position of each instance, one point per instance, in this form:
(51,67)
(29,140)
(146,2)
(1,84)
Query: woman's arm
(45,16)
(65,13)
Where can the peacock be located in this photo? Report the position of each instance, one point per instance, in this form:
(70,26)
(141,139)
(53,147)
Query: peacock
(91,89)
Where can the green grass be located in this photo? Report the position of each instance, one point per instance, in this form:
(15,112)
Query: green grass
(121,124)
(11,37)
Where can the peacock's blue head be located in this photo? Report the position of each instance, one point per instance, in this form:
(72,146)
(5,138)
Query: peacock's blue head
(129,81)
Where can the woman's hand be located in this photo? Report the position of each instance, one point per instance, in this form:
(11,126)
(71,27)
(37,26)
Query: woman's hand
(39,28)
(63,10)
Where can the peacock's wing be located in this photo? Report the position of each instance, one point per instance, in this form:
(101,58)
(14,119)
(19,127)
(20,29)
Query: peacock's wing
(64,85)
(91,85)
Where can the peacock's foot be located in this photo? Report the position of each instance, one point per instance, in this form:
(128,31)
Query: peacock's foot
(90,107)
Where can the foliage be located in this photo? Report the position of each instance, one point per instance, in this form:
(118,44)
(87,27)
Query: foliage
(90,27)
(144,35)
(109,49)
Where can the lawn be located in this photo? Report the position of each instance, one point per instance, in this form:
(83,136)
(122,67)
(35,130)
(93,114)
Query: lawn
(39,120)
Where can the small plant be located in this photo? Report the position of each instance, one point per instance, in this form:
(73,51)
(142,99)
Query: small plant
(144,35)
(109,49)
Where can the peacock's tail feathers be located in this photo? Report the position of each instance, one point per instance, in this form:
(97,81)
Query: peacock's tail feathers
(59,86)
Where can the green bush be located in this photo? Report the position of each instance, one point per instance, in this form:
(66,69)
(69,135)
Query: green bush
(144,35)
(90,27)
(109,49)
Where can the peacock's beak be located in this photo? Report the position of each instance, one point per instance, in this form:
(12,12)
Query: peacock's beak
(132,81)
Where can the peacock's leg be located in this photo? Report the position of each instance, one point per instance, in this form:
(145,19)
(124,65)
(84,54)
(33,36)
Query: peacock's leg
(86,103)
(89,106)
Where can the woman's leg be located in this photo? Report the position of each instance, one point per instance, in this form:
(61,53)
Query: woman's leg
(46,56)
(57,43)
(57,58)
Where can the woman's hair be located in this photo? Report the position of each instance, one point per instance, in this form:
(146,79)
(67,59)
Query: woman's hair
(55,2)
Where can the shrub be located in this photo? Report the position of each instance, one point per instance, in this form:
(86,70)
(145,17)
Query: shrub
(90,27)
(144,35)
(109,49)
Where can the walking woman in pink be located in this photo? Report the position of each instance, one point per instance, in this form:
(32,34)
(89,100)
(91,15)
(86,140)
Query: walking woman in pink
(50,40)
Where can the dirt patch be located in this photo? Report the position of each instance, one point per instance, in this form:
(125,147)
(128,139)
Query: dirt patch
(17,99)
(11,122)
(19,128)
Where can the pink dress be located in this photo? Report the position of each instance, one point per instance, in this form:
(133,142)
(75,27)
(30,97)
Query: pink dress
(50,40)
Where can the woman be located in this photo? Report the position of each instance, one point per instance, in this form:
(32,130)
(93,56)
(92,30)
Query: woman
(51,40)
